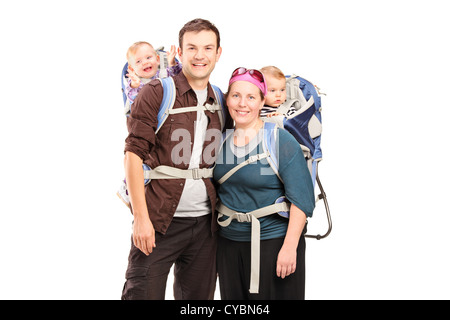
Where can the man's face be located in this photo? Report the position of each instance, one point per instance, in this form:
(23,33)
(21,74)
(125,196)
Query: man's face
(199,55)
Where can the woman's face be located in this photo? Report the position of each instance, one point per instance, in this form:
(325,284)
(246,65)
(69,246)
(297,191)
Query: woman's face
(244,104)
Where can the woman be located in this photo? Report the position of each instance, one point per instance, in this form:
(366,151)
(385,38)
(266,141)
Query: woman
(280,241)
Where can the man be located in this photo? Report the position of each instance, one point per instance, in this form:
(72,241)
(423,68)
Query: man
(174,220)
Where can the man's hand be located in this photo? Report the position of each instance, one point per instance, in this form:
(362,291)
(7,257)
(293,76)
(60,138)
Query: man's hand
(144,235)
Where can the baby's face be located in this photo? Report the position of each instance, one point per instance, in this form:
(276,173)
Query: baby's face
(145,62)
(276,91)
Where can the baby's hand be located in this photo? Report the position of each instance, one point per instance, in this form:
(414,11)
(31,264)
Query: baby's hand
(135,81)
(273,114)
(171,56)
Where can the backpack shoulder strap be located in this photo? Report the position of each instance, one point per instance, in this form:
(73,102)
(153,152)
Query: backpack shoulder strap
(220,99)
(169,93)
(271,146)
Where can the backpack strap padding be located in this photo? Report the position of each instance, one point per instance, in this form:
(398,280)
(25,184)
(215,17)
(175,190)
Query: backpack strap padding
(169,94)
(271,146)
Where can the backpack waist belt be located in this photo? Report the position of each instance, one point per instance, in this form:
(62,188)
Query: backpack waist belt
(166,172)
(251,217)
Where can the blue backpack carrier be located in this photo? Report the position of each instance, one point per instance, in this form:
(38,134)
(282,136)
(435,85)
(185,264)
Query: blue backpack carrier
(301,116)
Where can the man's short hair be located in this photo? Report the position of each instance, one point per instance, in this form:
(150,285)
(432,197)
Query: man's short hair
(198,25)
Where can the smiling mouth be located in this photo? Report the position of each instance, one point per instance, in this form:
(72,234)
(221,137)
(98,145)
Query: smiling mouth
(148,69)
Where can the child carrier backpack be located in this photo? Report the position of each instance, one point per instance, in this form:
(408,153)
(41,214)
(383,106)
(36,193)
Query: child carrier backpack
(301,115)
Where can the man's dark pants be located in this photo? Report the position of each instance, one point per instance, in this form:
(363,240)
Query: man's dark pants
(190,245)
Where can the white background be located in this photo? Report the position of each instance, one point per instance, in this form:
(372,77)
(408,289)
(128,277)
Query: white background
(383,65)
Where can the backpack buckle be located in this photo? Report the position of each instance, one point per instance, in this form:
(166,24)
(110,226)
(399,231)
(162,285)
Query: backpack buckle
(243,217)
(210,108)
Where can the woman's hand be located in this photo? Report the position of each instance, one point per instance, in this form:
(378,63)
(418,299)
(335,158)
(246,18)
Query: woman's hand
(287,257)
(287,261)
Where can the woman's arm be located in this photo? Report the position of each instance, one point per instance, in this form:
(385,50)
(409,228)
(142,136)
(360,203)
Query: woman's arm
(287,257)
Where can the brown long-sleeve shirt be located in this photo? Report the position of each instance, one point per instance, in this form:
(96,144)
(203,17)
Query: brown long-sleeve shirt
(163,195)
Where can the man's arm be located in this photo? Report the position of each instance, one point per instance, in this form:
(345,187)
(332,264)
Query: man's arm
(141,125)
(143,231)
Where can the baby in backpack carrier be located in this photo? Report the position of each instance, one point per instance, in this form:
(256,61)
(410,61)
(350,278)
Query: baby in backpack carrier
(276,90)
(143,63)
(143,66)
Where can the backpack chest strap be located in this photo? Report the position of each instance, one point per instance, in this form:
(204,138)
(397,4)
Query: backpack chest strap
(167,172)
(251,159)
(208,107)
